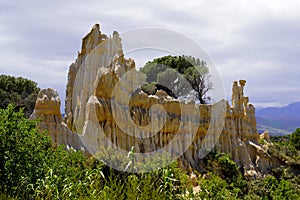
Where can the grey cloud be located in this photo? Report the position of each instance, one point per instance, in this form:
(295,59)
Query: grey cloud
(256,40)
(265,53)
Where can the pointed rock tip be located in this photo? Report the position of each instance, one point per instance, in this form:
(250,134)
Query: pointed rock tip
(242,82)
(96,26)
(116,33)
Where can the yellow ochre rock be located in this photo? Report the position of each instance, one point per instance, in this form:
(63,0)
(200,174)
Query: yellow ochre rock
(105,104)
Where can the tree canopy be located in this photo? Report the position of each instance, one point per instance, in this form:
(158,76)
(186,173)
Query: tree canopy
(20,92)
(295,138)
(183,75)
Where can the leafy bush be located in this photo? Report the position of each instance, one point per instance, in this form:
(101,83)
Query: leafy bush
(230,172)
(21,148)
(295,139)
(271,188)
(214,187)
(222,165)
(284,149)
(28,159)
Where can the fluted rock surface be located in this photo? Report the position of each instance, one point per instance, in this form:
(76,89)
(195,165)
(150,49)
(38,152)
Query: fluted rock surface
(47,109)
(105,107)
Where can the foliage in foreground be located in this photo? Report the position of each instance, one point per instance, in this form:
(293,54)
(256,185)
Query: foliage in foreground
(32,168)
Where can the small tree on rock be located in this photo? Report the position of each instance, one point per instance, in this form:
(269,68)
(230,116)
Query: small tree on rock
(184,75)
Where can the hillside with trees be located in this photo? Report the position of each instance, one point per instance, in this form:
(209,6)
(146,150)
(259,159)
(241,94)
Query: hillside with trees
(279,121)
(18,91)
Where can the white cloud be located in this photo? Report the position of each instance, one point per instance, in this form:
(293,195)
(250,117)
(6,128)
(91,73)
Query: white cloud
(256,40)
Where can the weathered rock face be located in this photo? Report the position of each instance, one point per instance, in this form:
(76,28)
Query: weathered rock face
(105,107)
(47,109)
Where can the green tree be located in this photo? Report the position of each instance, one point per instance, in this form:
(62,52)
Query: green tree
(295,139)
(22,148)
(20,92)
(170,78)
(184,75)
(199,79)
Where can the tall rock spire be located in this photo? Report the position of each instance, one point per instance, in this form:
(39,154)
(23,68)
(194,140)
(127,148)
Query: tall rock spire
(105,107)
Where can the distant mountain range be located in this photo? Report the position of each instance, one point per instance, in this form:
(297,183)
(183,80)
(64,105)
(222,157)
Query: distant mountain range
(279,121)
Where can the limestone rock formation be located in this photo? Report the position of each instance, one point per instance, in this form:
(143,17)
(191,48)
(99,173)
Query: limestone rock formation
(105,107)
(47,109)
(266,137)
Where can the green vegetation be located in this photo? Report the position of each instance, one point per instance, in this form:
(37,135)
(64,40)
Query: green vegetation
(295,139)
(20,92)
(33,168)
(285,149)
(183,75)
(272,188)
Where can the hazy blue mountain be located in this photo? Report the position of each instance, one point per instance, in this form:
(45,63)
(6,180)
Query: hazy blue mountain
(292,111)
(279,121)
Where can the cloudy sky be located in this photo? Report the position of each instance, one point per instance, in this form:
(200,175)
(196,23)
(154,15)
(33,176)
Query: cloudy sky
(256,40)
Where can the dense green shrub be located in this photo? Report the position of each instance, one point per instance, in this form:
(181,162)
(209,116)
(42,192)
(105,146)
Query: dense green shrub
(272,188)
(224,168)
(295,139)
(214,187)
(21,148)
(285,150)
(27,158)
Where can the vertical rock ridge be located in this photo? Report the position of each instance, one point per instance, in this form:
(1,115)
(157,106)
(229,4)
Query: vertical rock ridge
(97,101)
